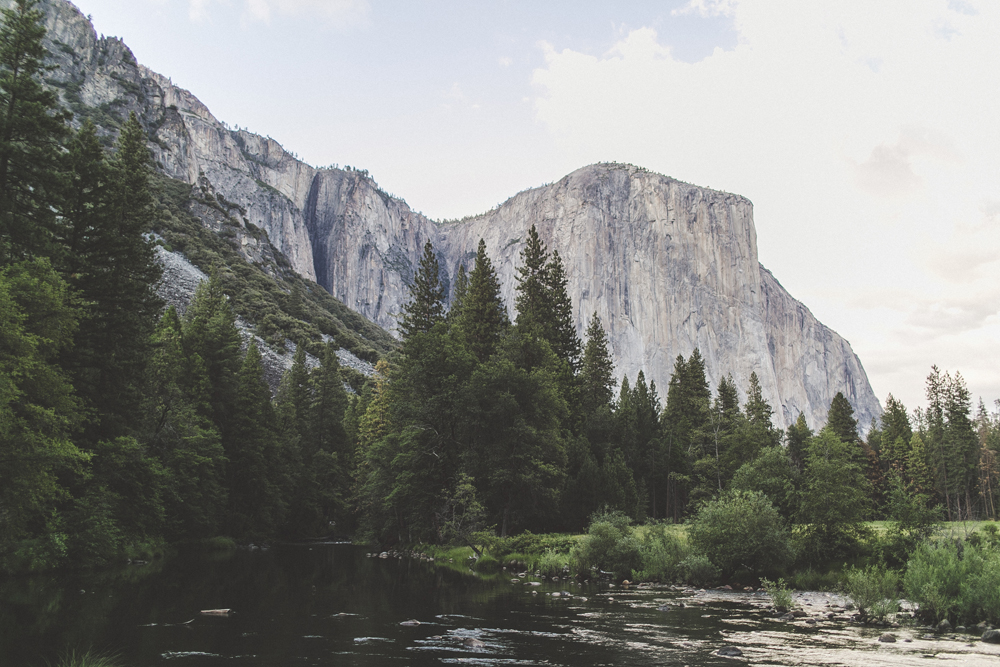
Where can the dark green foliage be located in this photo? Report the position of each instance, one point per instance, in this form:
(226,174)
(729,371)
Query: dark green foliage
(517,450)
(533,301)
(113,268)
(178,430)
(841,419)
(426,305)
(610,546)
(797,436)
(212,350)
(38,413)
(565,343)
(481,317)
(31,130)
(741,529)
(256,472)
(773,474)
(834,499)
(596,370)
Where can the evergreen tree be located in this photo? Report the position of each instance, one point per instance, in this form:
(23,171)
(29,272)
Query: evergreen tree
(327,454)
(182,437)
(917,469)
(896,435)
(212,347)
(962,445)
(840,419)
(797,437)
(483,319)
(533,301)
(426,305)
(257,483)
(32,128)
(596,370)
(834,497)
(38,413)
(562,327)
(115,274)
(517,448)
(758,413)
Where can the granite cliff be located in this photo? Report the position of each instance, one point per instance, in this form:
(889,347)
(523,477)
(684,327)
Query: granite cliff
(667,265)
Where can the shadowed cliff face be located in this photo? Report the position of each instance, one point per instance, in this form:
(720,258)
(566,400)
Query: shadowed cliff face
(668,266)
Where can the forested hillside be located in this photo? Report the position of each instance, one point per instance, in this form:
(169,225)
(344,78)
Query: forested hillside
(122,424)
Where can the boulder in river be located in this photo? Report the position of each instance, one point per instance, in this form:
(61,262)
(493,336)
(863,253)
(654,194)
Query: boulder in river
(412,621)
(472,642)
(944,626)
(992,636)
(888,638)
(729,652)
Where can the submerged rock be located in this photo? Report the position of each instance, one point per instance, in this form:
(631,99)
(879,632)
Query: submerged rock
(729,651)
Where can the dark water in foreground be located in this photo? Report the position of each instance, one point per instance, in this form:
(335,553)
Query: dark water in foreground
(330,605)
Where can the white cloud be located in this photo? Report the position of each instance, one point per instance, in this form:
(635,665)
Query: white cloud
(339,13)
(505,61)
(864,133)
(707,8)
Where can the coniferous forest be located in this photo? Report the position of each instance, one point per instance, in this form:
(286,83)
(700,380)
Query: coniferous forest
(126,426)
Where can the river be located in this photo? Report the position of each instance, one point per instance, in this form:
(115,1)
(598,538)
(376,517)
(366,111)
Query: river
(333,605)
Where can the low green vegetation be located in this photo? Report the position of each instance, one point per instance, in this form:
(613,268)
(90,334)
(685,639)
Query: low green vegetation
(781,596)
(874,591)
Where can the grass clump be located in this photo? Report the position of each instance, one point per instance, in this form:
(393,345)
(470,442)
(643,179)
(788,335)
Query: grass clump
(87,659)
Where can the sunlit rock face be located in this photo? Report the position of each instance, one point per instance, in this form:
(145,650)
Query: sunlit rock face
(668,266)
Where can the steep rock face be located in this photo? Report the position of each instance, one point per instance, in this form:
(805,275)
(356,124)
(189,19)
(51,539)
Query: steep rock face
(668,266)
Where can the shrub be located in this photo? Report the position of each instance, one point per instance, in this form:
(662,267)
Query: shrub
(698,570)
(550,563)
(873,591)
(781,597)
(741,529)
(609,546)
(660,552)
(955,581)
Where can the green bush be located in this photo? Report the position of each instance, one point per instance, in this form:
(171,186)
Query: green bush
(955,581)
(873,591)
(660,552)
(781,596)
(550,563)
(741,529)
(609,546)
(698,570)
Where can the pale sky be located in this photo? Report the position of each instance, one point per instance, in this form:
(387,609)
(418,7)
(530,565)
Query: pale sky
(866,132)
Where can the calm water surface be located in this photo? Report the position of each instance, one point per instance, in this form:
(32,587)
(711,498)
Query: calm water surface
(330,605)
